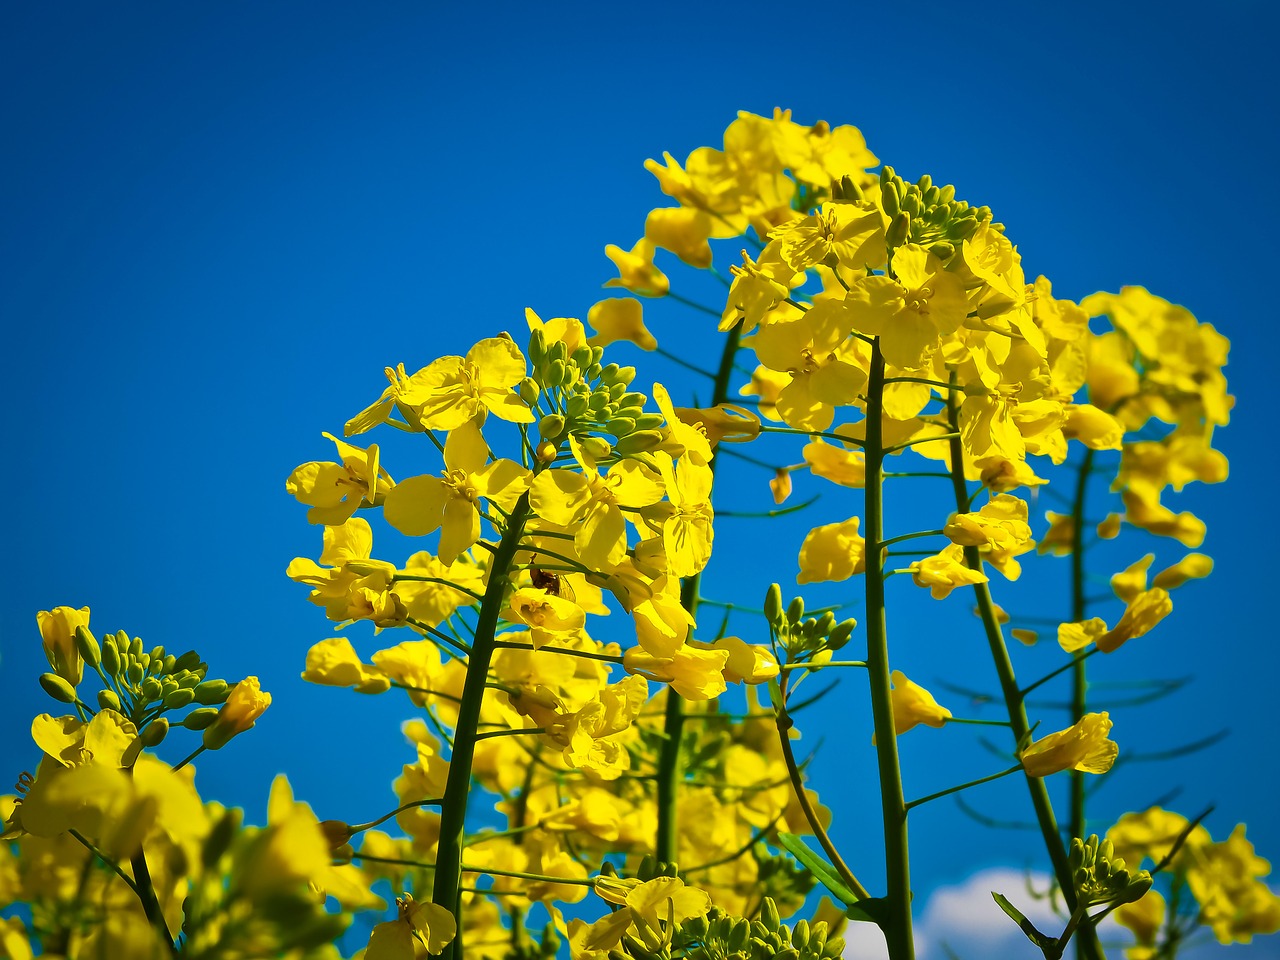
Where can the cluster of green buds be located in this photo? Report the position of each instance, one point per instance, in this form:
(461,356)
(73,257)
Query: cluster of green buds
(927,214)
(583,398)
(1101,877)
(804,637)
(143,684)
(718,936)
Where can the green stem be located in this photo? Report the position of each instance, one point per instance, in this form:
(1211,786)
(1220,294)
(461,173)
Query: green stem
(785,723)
(457,789)
(150,903)
(1079,606)
(1013,698)
(963,786)
(893,807)
(669,773)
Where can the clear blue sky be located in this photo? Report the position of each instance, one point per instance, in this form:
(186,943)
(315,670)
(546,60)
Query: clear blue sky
(219,222)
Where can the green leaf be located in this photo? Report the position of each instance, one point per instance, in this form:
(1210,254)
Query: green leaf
(819,867)
(1048,945)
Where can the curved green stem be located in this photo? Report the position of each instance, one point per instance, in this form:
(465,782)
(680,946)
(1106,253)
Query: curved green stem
(668,773)
(1013,697)
(784,723)
(457,790)
(1079,608)
(893,806)
(963,786)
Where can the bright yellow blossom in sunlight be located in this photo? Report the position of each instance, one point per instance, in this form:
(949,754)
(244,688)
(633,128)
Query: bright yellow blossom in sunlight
(246,702)
(353,587)
(847,233)
(999,530)
(1225,879)
(912,313)
(832,552)
(824,365)
(1151,834)
(766,384)
(590,505)
(1073,637)
(914,705)
(1191,567)
(334,491)
(620,318)
(945,571)
(636,270)
(683,231)
(687,529)
(1143,612)
(845,467)
(693,673)
(748,662)
(759,292)
(453,390)
(548,617)
(1084,747)
(58,634)
(419,505)
(334,663)
(1143,918)
(1133,579)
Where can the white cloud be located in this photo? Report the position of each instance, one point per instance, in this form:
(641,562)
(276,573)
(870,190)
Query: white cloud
(965,919)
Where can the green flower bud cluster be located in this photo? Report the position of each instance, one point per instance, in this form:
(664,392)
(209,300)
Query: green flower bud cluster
(1102,877)
(803,637)
(142,684)
(718,936)
(924,213)
(587,398)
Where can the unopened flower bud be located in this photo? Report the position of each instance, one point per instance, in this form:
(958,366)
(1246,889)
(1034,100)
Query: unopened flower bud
(154,733)
(88,646)
(200,718)
(244,705)
(899,230)
(109,700)
(58,688)
(212,691)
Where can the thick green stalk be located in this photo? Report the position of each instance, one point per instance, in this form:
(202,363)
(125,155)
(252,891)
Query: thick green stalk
(666,847)
(1079,683)
(1079,606)
(893,805)
(453,810)
(1013,699)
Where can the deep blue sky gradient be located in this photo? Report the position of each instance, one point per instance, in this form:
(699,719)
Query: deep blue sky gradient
(219,223)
